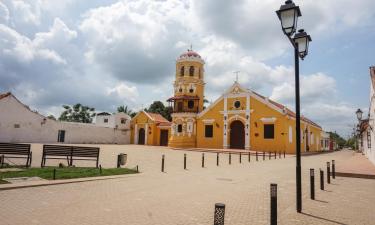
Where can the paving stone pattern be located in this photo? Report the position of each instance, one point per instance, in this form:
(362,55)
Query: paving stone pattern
(181,196)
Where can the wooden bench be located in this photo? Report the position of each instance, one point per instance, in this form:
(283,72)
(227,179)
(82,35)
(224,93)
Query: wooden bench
(15,151)
(70,153)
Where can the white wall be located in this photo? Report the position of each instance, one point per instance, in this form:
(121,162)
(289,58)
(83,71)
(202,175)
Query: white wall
(35,128)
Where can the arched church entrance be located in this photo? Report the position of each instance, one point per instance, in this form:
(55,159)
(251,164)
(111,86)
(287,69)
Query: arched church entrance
(141,136)
(237,135)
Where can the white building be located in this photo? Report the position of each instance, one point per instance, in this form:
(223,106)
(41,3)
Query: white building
(20,124)
(325,141)
(367,133)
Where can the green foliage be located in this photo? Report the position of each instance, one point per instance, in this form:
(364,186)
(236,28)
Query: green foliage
(77,113)
(339,140)
(126,110)
(158,107)
(65,173)
(52,117)
(351,142)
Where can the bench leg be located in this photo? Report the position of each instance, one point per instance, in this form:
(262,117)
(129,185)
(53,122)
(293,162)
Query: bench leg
(2,160)
(31,158)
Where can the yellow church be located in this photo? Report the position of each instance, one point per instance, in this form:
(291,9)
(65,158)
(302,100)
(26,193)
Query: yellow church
(239,119)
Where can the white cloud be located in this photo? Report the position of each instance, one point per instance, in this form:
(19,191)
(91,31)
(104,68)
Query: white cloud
(124,92)
(28,12)
(315,87)
(4,13)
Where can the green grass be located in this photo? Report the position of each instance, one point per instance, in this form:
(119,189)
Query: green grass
(64,173)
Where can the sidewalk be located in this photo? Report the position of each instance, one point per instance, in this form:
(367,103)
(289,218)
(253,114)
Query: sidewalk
(356,166)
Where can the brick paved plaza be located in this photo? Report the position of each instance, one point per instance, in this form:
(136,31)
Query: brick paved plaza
(181,196)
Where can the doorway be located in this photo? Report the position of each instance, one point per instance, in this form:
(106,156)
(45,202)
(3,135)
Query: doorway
(237,135)
(163,137)
(141,136)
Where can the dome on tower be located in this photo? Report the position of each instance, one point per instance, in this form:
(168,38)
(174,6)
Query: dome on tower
(188,54)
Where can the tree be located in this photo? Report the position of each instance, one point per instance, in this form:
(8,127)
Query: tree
(339,140)
(126,110)
(52,117)
(77,113)
(158,107)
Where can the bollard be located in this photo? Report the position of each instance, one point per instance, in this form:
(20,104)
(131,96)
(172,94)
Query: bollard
(333,170)
(321,179)
(312,184)
(256,154)
(118,161)
(328,173)
(273,204)
(219,214)
(137,169)
(230,158)
(240,157)
(249,156)
(184,161)
(264,156)
(217,159)
(284,154)
(275,155)
(100,169)
(162,163)
(202,160)
(54,173)
(269,155)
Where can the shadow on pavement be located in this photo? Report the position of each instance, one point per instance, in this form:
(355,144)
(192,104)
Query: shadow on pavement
(321,218)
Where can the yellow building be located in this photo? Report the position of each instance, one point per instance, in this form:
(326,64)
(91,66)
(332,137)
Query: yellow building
(149,129)
(239,119)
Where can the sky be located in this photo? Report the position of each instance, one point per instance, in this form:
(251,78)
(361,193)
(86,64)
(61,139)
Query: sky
(107,53)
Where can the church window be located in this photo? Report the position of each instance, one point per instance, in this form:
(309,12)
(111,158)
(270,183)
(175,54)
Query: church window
(180,90)
(237,104)
(123,120)
(191,104)
(191,71)
(269,131)
(191,90)
(179,128)
(208,131)
(105,120)
(182,71)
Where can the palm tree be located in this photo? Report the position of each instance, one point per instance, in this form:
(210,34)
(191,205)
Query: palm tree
(126,110)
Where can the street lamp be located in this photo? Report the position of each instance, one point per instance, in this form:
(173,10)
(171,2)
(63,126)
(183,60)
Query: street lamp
(288,15)
(359,114)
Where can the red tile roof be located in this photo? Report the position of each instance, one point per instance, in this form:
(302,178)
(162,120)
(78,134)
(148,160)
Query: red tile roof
(157,117)
(186,97)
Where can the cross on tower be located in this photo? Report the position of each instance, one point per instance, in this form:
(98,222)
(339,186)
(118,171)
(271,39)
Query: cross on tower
(237,72)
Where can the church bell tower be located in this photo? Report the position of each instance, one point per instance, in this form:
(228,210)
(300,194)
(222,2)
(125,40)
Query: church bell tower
(188,99)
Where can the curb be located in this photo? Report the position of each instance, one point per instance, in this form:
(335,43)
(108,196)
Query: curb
(71,181)
(355,175)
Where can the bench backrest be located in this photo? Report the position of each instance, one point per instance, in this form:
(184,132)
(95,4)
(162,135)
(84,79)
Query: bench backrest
(75,151)
(85,152)
(14,149)
(57,150)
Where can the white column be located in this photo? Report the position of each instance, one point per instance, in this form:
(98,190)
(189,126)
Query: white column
(146,133)
(247,126)
(225,119)
(136,134)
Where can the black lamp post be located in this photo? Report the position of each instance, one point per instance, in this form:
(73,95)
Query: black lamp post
(359,114)
(288,15)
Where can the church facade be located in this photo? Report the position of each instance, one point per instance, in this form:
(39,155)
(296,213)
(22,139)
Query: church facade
(239,119)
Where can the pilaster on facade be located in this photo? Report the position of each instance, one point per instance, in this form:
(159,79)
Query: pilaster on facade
(136,134)
(146,133)
(248,122)
(225,119)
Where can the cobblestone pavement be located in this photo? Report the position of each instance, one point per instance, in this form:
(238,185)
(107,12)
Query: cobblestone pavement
(181,196)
